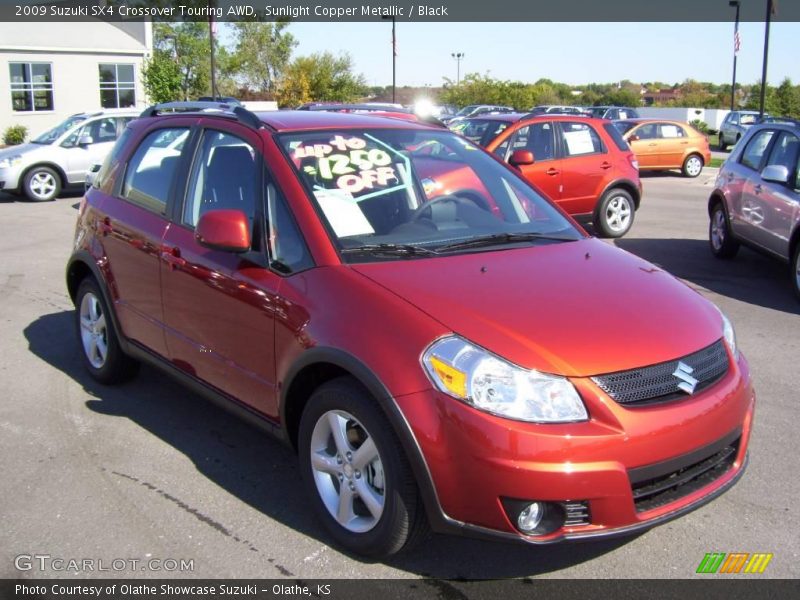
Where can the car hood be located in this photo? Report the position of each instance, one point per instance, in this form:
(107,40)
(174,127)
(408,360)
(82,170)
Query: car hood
(23,149)
(577,309)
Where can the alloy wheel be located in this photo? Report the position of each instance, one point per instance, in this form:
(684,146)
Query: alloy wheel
(94,335)
(348,471)
(42,185)
(718,229)
(618,214)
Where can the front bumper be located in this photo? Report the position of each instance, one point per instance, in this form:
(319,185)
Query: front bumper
(476,460)
(10,177)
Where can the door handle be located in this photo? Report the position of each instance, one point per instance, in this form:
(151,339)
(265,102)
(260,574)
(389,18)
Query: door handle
(104,227)
(605,165)
(552,172)
(684,143)
(653,144)
(172,256)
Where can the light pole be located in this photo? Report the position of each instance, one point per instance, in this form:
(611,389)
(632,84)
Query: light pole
(458,57)
(770,11)
(394,57)
(736,42)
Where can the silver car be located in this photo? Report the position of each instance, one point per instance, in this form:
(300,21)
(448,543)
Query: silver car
(735,125)
(61,157)
(756,197)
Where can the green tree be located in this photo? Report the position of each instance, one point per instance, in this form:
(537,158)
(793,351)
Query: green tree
(320,77)
(787,99)
(621,97)
(161,77)
(262,53)
(188,44)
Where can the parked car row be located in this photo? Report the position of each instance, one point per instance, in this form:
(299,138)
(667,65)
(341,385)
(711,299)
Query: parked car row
(438,341)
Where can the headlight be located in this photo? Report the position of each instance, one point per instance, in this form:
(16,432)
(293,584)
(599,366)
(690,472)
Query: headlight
(10,161)
(729,334)
(489,383)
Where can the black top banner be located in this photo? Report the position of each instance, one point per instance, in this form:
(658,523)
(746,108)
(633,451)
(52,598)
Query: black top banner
(402,10)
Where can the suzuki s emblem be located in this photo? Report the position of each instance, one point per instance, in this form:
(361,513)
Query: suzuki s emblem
(684,373)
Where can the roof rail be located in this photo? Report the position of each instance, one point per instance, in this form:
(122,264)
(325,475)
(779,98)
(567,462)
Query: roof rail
(221,109)
(771,119)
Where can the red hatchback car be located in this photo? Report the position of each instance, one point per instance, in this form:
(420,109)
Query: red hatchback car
(582,164)
(428,332)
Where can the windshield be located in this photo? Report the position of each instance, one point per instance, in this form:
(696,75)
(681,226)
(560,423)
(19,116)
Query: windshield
(422,189)
(598,111)
(467,110)
(747,119)
(51,135)
(624,126)
(481,131)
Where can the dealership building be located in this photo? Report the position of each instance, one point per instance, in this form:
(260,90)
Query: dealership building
(49,70)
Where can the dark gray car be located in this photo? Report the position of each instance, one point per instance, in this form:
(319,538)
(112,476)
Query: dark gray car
(756,197)
(735,125)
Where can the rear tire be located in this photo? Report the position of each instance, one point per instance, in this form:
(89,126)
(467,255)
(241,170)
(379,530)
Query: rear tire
(41,184)
(692,166)
(101,353)
(720,236)
(356,474)
(796,271)
(615,214)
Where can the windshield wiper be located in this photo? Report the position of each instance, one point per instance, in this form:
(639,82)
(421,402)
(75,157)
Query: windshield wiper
(402,250)
(497,239)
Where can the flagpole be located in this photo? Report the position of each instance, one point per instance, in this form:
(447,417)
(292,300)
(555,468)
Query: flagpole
(736,41)
(770,9)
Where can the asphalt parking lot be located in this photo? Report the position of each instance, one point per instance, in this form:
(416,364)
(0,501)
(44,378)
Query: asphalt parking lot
(150,471)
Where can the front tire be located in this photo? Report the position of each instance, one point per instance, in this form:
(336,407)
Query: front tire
(615,214)
(41,184)
(720,236)
(354,470)
(102,355)
(692,166)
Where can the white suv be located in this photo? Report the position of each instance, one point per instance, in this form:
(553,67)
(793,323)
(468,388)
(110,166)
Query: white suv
(61,156)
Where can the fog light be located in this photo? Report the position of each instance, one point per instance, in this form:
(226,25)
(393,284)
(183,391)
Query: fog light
(530,517)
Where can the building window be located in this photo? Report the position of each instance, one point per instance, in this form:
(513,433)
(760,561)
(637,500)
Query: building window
(117,86)
(31,86)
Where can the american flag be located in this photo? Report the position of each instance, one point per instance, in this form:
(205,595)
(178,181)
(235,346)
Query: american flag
(737,42)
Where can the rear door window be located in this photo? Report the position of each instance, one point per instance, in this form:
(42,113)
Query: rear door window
(579,139)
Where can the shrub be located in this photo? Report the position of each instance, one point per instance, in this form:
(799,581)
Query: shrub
(15,134)
(700,126)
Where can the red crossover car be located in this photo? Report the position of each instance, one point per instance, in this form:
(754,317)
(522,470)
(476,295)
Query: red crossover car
(582,164)
(429,333)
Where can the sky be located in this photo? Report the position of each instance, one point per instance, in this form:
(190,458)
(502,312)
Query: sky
(573,53)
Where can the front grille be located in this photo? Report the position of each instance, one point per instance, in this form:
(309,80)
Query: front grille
(657,383)
(577,513)
(674,482)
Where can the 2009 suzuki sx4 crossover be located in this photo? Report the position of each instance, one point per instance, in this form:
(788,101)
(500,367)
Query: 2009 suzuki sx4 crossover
(441,344)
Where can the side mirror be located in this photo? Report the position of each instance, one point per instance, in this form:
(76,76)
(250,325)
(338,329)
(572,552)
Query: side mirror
(85,140)
(226,230)
(521,157)
(776,173)
(634,138)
